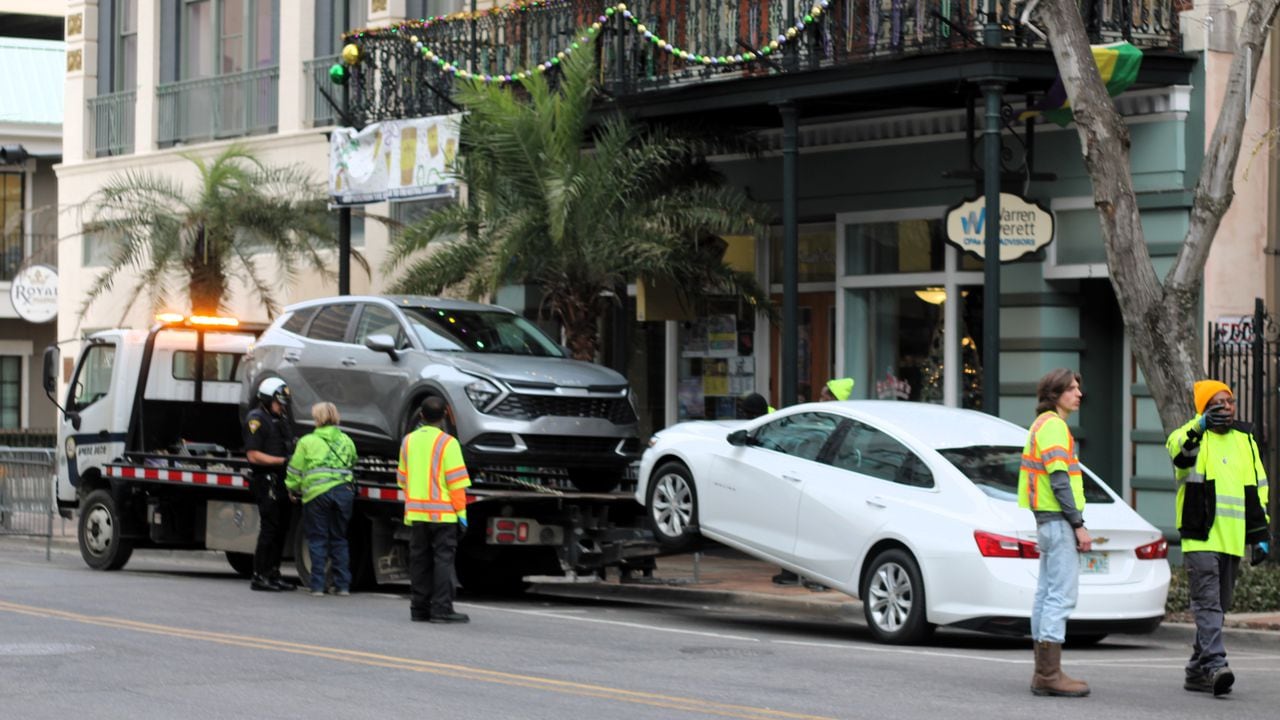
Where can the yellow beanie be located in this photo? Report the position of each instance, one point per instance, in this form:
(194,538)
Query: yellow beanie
(1205,390)
(841,388)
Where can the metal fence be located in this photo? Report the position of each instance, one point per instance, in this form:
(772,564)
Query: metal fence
(320,111)
(27,487)
(225,106)
(111,119)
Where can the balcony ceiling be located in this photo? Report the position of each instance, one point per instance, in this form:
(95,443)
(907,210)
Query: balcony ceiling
(923,82)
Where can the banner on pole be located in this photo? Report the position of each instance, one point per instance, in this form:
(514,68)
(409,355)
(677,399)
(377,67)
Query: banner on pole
(393,160)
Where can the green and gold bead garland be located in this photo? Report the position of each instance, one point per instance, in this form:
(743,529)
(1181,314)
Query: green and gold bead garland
(351,52)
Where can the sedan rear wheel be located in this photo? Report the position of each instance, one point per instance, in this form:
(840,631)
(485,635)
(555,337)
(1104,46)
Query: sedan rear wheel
(893,599)
(672,506)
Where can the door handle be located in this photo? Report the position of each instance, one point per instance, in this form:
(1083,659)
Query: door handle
(790,477)
(292,355)
(348,361)
(877,502)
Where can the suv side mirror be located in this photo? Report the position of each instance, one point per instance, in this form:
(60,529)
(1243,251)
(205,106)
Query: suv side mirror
(382,343)
(51,370)
(738,438)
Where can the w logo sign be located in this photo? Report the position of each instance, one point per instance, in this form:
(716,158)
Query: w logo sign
(974,221)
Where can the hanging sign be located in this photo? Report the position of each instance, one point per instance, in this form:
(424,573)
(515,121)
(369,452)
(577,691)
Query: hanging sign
(34,293)
(1025,226)
(393,160)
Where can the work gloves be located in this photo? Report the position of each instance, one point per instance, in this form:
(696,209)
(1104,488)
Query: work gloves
(1260,552)
(1216,417)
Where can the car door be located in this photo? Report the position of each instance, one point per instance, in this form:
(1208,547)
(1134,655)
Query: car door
(318,363)
(870,480)
(754,491)
(375,382)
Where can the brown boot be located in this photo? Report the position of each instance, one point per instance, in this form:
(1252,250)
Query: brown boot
(1049,678)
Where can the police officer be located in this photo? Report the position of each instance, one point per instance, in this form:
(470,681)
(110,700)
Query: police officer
(268,442)
(1221,507)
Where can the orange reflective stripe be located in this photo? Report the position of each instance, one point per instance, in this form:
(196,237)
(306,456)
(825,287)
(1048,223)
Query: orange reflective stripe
(437,459)
(456,474)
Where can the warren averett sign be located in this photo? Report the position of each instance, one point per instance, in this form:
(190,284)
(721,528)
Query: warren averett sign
(1024,226)
(34,293)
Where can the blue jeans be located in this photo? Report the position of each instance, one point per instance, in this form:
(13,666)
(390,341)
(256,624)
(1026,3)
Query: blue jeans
(1059,583)
(327,517)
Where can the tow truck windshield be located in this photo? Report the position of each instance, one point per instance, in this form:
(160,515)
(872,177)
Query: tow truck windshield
(477,331)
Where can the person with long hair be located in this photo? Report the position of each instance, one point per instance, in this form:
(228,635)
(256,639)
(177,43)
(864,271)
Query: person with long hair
(1051,486)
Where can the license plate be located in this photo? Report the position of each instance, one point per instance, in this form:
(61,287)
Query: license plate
(1094,563)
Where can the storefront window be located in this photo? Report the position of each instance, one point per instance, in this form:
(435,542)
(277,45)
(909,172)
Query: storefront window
(816,252)
(716,361)
(895,344)
(896,246)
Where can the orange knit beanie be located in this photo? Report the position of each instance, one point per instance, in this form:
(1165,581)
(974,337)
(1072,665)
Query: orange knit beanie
(1206,389)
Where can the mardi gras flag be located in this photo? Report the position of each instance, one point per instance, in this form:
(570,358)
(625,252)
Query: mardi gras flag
(1118,64)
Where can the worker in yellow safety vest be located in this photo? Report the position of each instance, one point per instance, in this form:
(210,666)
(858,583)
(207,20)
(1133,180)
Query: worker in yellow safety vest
(1051,486)
(434,478)
(1221,508)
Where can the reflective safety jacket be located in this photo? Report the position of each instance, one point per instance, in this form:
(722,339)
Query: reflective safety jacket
(322,460)
(1050,448)
(1222,489)
(433,476)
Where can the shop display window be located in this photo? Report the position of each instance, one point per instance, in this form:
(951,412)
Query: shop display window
(716,362)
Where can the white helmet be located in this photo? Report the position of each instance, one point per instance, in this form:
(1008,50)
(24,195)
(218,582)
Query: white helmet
(273,388)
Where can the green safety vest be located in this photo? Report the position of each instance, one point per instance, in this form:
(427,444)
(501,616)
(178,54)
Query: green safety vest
(322,460)
(1050,448)
(1222,500)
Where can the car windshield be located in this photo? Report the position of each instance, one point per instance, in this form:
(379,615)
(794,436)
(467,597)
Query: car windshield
(482,331)
(994,469)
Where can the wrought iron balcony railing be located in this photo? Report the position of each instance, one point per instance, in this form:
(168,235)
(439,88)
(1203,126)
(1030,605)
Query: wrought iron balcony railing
(650,44)
(320,111)
(225,106)
(111,123)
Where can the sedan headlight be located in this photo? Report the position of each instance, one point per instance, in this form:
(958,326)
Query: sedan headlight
(481,393)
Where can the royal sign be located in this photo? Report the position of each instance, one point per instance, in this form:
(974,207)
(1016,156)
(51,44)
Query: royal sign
(34,293)
(1025,226)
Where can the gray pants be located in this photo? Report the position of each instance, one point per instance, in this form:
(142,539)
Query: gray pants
(1212,579)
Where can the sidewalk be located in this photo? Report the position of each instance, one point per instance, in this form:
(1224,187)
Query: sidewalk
(723,577)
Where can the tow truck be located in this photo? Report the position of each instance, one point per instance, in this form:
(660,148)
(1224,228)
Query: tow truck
(151,456)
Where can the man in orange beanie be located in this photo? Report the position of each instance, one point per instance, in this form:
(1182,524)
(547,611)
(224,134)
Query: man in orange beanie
(1221,508)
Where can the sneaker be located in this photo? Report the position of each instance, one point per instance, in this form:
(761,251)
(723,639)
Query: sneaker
(344,593)
(1197,682)
(1222,679)
(282,585)
(453,617)
(317,593)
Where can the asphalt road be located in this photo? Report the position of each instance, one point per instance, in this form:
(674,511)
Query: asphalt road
(179,636)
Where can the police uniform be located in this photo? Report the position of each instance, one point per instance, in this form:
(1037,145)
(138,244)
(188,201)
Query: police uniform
(272,435)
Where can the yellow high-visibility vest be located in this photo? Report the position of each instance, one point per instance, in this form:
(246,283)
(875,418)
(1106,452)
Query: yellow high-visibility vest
(1050,448)
(433,476)
(1222,500)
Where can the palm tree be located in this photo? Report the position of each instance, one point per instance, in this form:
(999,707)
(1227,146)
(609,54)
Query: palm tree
(242,214)
(579,222)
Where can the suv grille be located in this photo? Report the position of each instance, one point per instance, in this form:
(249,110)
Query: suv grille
(530,407)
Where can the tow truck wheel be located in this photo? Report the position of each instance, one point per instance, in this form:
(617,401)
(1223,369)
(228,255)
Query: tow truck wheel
(671,507)
(242,563)
(101,533)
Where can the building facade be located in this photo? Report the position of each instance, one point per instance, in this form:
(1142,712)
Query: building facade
(885,143)
(33,54)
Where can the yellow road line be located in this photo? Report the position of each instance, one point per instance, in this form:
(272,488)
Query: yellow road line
(686,704)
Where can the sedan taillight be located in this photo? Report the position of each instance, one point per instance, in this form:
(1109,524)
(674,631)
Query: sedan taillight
(993,545)
(1157,550)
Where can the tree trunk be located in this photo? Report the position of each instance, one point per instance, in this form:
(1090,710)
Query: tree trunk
(576,310)
(1162,320)
(206,275)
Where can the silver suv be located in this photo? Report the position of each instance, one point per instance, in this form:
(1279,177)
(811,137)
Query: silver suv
(518,403)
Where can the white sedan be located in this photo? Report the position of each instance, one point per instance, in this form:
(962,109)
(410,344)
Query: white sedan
(910,507)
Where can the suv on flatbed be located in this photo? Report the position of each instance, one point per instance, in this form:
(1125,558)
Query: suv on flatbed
(517,403)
